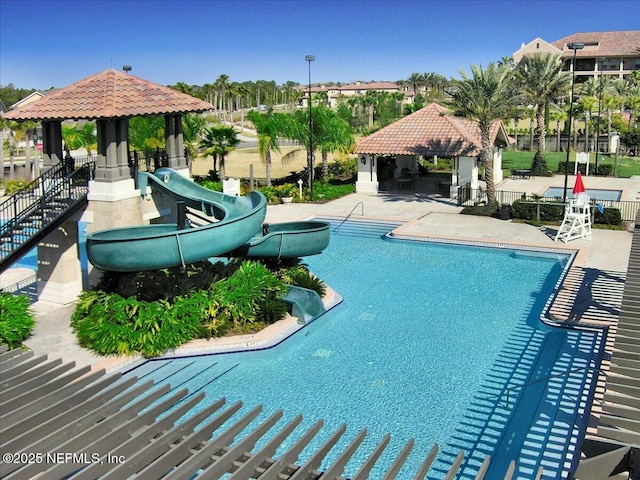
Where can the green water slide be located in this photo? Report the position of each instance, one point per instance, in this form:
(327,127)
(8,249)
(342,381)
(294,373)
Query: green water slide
(234,226)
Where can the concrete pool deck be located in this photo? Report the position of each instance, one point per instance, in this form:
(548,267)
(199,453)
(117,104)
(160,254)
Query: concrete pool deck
(430,217)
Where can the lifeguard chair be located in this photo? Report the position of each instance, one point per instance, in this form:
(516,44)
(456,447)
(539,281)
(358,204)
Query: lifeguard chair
(577,220)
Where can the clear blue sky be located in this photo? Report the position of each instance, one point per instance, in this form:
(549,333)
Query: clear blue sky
(53,43)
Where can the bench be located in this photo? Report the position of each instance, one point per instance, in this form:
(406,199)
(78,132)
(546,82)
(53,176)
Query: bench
(523,174)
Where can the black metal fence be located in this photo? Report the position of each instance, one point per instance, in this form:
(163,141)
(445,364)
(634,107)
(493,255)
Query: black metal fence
(468,196)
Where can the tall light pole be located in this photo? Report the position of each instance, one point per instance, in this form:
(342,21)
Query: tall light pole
(575,46)
(600,61)
(310,58)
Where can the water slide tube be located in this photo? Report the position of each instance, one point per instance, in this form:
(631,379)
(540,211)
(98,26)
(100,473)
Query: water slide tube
(238,231)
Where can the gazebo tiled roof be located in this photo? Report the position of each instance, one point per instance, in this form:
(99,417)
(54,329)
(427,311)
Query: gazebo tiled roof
(430,131)
(109,94)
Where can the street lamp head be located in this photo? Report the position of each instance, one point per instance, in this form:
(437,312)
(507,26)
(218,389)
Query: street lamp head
(309,58)
(126,68)
(575,45)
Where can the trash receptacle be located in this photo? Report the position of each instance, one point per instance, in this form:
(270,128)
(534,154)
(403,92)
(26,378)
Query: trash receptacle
(505,212)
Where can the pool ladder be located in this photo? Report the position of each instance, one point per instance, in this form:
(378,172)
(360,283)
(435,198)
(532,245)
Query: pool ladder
(359,204)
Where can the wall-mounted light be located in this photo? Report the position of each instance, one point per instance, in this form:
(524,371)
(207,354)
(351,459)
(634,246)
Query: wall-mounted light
(363,159)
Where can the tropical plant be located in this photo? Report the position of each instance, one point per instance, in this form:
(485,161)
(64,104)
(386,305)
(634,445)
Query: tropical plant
(219,142)
(16,319)
(587,103)
(301,277)
(542,82)
(485,97)
(76,136)
(146,133)
(243,299)
(269,126)
(332,134)
(192,126)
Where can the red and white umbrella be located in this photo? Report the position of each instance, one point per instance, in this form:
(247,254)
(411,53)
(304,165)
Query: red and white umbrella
(578,187)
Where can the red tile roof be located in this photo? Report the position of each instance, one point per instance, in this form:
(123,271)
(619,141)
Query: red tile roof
(620,43)
(109,94)
(430,131)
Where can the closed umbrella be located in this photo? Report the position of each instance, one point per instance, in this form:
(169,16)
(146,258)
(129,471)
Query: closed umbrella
(578,187)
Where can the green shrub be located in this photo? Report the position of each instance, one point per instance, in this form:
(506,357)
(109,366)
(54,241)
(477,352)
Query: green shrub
(12,186)
(270,193)
(343,168)
(527,210)
(16,319)
(610,216)
(301,277)
(481,210)
(604,169)
(111,324)
(325,191)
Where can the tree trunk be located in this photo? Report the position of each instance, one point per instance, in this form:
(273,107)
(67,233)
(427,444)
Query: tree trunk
(221,175)
(587,144)
(539,165)
(515,121)
(267,161)
(486,158)
(531,135)
(325,165)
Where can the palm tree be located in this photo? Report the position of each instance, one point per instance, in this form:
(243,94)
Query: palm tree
(219,142)
(332,134)
(541,81)
(146,133)
(416,80)
(587,103)
(621,90)
(221,85)
(485,97)
(269,127)
(192,127)
(558,114)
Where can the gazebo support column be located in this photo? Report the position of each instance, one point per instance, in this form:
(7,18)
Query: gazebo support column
(367,174)
(174,140)
(113,198)
(51,144)
(113,162)
(59,275)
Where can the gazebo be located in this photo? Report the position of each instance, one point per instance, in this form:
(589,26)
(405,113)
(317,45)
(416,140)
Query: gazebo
(109,98)
(431,132)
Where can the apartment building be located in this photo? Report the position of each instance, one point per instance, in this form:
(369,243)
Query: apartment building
(603,53)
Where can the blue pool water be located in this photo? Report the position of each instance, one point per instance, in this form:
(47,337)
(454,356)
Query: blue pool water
(425,344)
(595,194)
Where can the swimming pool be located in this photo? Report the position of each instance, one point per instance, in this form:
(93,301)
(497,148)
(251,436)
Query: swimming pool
(594,193)
(425,345)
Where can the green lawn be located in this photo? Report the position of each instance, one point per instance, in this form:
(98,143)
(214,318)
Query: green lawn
(512,160)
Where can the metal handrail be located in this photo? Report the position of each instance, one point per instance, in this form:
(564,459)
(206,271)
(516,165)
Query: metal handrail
(361,204)
(40,204)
